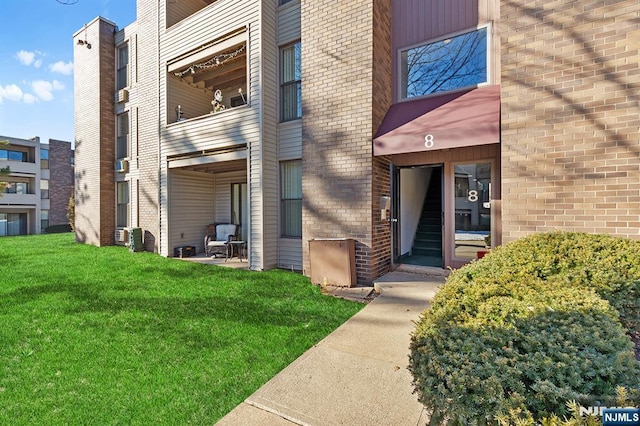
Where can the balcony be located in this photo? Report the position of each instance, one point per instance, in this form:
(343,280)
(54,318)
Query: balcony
(178,11)
(20,199)
(208,81)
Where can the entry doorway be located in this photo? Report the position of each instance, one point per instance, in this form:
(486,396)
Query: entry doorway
(418,215)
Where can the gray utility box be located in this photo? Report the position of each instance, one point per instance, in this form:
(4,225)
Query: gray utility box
(333,261)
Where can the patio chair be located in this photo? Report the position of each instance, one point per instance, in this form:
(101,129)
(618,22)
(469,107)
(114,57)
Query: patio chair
(218,243)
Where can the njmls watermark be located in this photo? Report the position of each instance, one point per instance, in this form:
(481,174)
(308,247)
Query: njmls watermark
(614,416)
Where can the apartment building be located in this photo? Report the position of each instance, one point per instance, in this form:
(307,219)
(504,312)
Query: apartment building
(425,131)
(40,184)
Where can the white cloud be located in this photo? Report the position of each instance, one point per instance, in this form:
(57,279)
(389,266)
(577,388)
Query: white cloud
(11,93)
(62,67)
(28,98)
(30,58)
(43,89)
(25,58)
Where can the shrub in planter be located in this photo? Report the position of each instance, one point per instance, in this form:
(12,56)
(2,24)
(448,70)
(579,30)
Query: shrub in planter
(511,344)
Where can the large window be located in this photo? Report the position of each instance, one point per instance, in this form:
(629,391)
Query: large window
(452,63)
(291,198)
(17,188)
(240,209)
(122,207)
(13,224)
(122,76)
(290,87)
(44,158)
(122,146)
(8,154)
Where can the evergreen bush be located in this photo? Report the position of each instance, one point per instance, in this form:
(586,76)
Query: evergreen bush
(531,326)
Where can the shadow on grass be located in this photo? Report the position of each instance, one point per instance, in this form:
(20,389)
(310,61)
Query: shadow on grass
(173,314)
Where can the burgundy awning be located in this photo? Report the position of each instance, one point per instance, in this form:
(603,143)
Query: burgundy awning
(447,121)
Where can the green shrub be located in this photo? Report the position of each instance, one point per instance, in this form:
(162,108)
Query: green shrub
(508,342)
(610,265)
(57,229)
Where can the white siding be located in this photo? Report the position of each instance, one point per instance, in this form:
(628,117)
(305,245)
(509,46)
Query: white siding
(289,22)
(263,185)
(237,126)
(290,254)
(290,140)
(191,208)
(289,133)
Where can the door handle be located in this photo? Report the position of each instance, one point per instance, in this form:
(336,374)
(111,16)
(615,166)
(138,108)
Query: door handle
(394,220)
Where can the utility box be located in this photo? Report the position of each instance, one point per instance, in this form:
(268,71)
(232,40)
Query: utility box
(333,261)
(135,240)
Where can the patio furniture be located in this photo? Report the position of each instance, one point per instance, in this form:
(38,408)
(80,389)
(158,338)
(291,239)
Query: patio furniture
(218,243)
(239,248)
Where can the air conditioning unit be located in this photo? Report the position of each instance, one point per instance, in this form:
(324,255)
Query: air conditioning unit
(121,236)
(122,95)
(122,166)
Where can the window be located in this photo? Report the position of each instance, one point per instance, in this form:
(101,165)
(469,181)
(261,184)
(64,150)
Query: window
(122,146)
(239,209)
(452,63)
(17,188)
(44,189)
(13,224)
(44,220)
(122,74)
(290,87)
(122,207)
(7,154)
(44,158)
(284,2)
(291,198)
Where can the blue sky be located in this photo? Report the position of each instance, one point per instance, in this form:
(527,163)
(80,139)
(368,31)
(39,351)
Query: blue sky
(36,62)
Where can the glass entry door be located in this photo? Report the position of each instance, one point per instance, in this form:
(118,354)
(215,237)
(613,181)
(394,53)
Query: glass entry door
(472,194)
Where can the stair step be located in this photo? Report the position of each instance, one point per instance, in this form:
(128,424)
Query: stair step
(426,251)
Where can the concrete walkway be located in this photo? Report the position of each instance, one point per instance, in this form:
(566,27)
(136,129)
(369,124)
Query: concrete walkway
(355,376)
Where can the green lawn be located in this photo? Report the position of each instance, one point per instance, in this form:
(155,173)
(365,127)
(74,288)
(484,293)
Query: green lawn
(103,336)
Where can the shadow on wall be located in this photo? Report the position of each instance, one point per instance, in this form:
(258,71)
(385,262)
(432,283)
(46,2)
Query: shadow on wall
(589,69)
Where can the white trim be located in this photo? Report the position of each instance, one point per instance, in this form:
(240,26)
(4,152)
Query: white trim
(207,159)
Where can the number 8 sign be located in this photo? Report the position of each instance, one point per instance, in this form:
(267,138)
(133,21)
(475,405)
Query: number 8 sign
(429,141)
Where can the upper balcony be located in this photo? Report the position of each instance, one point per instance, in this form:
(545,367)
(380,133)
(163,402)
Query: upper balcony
(20,159)
(208,80)
(180,10)
(20,199)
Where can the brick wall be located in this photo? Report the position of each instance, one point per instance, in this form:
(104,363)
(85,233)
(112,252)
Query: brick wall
(340,193)
(94,88)
(145,118)
(570,116)
(60,180)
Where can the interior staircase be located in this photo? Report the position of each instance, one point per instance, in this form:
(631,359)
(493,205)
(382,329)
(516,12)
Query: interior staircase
(427,244)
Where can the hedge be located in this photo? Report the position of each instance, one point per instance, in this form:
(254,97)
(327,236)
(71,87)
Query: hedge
(528,328)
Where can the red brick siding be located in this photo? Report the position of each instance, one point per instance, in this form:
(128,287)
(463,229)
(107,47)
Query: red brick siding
(60,180)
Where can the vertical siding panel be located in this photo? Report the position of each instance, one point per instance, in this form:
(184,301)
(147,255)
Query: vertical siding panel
(191,208)
(288,23)
(270,170)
